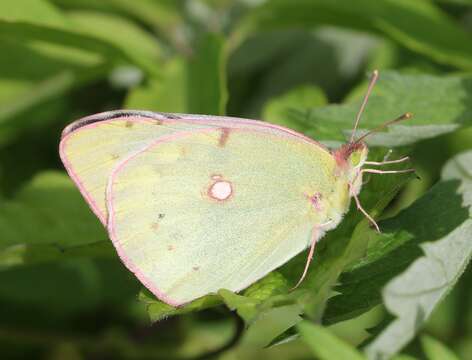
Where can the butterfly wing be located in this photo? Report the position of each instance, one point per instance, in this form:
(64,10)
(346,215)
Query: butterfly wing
(91,147)
(214,208)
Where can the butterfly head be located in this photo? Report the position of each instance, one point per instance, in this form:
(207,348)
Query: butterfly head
(356,154)
(350,158)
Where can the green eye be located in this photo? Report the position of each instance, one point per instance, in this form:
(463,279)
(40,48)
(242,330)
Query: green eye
(355,158)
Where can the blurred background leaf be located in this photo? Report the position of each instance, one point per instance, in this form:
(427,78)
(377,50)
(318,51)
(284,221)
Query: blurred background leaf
(324,345)
(435,350)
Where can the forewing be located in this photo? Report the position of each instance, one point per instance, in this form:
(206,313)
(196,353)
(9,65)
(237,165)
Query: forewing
(215,208)
(91,152)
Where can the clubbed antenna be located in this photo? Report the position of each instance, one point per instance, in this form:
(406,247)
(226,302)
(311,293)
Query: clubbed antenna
(405,116)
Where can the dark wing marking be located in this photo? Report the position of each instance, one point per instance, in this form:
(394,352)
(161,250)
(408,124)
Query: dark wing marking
(110,115)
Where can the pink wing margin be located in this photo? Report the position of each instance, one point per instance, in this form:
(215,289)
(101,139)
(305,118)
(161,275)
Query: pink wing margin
(93,121)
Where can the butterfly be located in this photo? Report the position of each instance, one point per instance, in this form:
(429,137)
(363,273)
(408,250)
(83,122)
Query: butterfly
(196,203)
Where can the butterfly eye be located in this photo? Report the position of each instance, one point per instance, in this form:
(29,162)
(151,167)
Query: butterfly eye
(355,158)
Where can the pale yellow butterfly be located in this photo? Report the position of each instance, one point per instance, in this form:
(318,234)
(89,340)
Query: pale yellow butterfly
(196,203)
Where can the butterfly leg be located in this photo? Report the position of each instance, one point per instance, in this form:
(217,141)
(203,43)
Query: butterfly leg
(309,258)
(376,171)
(386,162)
(366,214)
(316,234)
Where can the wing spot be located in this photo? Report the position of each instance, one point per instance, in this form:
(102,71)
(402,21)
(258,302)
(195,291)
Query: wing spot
(196,268)
(224,137)
(316,201)
(170,247)
(161,216)
(115,156)
(220,190)
(176,236)
(170,116)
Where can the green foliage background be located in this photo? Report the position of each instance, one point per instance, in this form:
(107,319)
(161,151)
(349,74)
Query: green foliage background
(404,293)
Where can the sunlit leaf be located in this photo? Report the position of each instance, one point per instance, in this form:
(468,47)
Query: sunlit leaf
(434,112)
(47,24)
(325,345)
(133,40)
(435,350)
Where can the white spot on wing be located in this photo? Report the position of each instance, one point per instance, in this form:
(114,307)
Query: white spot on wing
(221,190)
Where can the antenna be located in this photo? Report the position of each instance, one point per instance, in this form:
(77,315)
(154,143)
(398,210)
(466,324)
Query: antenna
(373,80)
(405,116)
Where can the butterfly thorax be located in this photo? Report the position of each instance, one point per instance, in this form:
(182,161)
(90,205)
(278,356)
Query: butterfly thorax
(329,206)
(348,181)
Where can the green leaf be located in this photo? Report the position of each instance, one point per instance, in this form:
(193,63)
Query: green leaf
(244,306)
(206,76)
(26,97)
(256,298)
(54,54)
(35,63)
(395,249)
(434,113)
(413,288)
(286,109)
(41,71)
(460,2)
(247,306)
(166,15)
(120,32)
(325,345)
(407,22)
(263,306)
(270,324)
(158,310)
(179,88)
(404,357)
(435,350)
(36,26)
(39,12)
(266,315)
(197,85)
(55,229)
(162,14)
(165,94)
